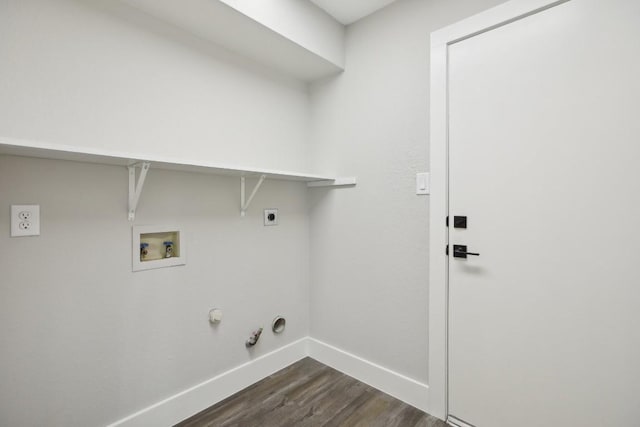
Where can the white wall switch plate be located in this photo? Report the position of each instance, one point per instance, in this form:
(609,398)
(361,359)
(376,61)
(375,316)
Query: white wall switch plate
(271,217)
(25,220)
(422,183)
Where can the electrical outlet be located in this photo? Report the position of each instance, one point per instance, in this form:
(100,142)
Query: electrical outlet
(271,217)
(25,220)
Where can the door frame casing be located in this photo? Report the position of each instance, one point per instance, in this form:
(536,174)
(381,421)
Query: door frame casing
(439,164)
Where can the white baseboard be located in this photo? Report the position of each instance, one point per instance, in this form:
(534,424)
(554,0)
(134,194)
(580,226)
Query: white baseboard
(197,398)
(399,386)
(454,422)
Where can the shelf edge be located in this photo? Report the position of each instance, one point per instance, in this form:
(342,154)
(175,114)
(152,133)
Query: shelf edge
(39,149)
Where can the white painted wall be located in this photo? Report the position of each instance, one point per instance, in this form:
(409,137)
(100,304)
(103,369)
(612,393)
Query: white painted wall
(291,36)
(351,11)
(300,21)
(90,344)
(85,341)
(369,243)
(98,73)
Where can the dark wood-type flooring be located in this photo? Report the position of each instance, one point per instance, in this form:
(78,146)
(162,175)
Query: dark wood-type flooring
(310,394)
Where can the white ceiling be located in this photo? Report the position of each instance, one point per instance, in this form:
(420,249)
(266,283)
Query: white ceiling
(349,11)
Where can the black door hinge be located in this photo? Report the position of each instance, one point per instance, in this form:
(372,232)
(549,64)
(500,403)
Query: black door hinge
(447,250)
(447,220)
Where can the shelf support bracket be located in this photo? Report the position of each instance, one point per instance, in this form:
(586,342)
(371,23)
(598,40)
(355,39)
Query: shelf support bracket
(135,189)
(244,204)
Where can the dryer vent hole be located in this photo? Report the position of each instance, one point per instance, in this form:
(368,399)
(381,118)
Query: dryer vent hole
(278,324)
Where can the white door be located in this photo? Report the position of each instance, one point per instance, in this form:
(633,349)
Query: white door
(544,161)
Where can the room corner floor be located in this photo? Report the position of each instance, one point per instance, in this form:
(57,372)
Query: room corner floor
(310,394)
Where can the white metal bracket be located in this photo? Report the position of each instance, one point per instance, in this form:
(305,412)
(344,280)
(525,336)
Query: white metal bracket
(338,182)
(135,189)
(244,204)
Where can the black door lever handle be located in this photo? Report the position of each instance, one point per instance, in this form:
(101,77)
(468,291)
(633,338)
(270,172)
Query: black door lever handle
(460,251)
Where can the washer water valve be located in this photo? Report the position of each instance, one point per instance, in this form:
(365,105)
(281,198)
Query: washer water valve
(144,251)
(253,338)
(168,249)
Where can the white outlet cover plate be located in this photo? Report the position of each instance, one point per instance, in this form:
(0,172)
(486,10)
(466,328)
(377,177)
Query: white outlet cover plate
(268,212)
(25,220)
